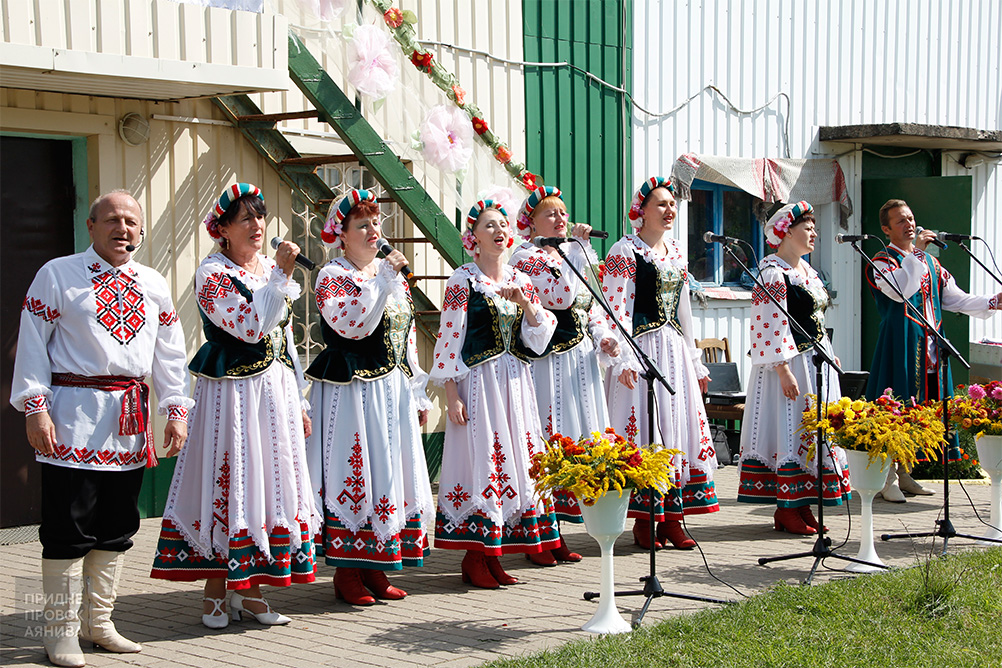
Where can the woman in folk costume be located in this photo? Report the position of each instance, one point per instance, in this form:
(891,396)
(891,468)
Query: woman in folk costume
(568,379)
(646,283)
(369,403)
(491,321)
(774,464)
(240,511)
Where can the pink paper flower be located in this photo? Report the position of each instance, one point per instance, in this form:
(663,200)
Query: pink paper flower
(394,17)
(373,68)
(447,138)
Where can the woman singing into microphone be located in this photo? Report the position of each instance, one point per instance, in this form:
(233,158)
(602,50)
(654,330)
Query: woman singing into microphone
(491,321)
(369,402)
(646,283)
(568,378)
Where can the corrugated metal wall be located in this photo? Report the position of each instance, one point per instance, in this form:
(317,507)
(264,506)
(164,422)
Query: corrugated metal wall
(839,63)
(578,134)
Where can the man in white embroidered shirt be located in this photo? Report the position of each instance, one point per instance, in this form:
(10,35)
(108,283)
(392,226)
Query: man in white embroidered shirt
(94,325)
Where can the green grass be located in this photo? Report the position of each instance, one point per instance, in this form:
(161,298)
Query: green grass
(942,613)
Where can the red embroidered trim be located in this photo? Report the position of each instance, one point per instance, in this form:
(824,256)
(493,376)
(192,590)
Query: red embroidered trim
(36,404)
(90,456)
(168,318)
(618,265)
(533,266)
(993,303)
(455,298)
(177,413)
(499,477)
(38,308)
(121,308)
(356,481)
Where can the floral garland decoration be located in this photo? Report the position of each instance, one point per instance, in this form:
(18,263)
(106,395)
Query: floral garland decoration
(401,25)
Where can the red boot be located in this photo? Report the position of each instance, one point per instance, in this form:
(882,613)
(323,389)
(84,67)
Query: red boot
(789,520)
(642,535)
(476,572)
(809,519)
(377,583)
(498,573)
(348,586)
(671,530)
(544,558)
(563,553)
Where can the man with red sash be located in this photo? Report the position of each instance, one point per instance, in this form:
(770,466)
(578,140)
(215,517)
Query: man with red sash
(94,325)
(906,357)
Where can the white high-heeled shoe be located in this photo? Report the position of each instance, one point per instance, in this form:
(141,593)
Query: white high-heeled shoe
(218,618)
(267,617)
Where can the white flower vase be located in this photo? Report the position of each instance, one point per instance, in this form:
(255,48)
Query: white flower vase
(605,521)
(990,458)
(867,479)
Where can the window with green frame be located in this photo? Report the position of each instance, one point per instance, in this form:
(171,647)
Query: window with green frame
(722,210)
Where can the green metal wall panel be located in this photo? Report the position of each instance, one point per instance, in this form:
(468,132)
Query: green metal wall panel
(577,130)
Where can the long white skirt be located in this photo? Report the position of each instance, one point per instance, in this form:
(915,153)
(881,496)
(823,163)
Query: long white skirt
(366,454)
(485,463)
(771,422)
(679,419)
(244,465)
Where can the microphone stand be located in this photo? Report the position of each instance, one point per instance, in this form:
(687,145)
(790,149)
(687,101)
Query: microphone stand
(822,548)
(980,263)
(652,586)
(945,529)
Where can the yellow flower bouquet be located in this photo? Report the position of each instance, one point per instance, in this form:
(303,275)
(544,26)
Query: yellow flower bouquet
(594,465)
(884,427)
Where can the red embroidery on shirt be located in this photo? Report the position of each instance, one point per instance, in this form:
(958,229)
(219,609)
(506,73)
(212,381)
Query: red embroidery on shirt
(168,318)
(37,308)
(455,298)
(121,308)
(216,286)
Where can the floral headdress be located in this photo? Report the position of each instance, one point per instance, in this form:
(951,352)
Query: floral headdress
(229,196)
(331,234)
(779,224)
(636,214)
(524,220)
(469,241)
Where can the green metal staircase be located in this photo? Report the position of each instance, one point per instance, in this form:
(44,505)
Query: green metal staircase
(333,107)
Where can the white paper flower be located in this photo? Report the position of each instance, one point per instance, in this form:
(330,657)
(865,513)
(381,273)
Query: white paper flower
(324,9)
(447,136)
(373,69)
(504,196)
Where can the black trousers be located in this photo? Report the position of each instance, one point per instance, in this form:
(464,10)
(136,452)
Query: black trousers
(84,510)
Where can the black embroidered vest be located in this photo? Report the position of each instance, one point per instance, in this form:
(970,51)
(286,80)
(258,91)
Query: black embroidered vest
(485,335)
(367,358)
(657,296)
(225,356)
(808,310)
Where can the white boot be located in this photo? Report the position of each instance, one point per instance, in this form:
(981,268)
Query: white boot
(910,485)
(62,584)
(100,573)
(891,492)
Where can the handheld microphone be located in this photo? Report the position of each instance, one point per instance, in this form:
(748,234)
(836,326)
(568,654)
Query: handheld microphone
(935,242)
(300,259)
(385,248)
(598,234)
(850,238)
(949,236)
(712,238)
(543,242)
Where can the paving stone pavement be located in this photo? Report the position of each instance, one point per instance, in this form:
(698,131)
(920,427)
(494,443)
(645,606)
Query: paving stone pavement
(447,624)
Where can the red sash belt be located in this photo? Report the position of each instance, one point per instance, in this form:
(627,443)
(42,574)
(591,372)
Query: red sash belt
(135,417)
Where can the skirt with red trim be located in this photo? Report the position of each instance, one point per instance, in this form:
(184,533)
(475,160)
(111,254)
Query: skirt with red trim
(791,486)
(565,505)
(244,566)
(340,546)
(534,532)
(699,497)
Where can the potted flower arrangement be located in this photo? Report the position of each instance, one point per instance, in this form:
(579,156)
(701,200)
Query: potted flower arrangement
(597,469)
(875,432)
(977,409)
(592,466)
(885,428)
